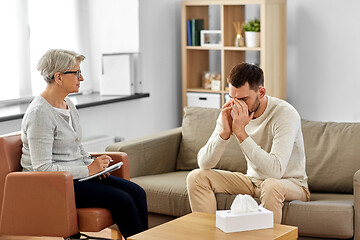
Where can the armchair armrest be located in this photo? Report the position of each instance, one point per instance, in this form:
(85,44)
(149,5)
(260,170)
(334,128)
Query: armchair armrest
(123,172)
(39,203)
(357,204)
(153,154)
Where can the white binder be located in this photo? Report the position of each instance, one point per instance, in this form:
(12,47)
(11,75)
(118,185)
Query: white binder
(118,74)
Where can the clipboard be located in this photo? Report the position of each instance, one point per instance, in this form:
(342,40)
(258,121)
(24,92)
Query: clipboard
(107,170)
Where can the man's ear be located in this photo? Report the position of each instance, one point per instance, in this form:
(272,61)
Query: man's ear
(262,91)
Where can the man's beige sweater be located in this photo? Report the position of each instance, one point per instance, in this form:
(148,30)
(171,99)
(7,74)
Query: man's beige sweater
(274,148)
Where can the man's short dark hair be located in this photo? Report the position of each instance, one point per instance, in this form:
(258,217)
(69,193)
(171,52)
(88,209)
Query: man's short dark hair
(246,73)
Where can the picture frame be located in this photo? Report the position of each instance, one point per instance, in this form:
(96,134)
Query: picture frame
(210,38)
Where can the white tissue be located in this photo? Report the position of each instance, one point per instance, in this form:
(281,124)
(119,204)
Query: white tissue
(243,204)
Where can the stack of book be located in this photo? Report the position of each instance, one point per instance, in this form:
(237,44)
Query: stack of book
(194,26)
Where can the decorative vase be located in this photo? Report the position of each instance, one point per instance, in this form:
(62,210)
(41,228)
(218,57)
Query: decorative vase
(252,39)
(239,40)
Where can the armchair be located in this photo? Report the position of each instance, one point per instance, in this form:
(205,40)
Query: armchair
(43,203)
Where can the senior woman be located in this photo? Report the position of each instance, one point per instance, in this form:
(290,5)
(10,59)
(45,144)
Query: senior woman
(51,136)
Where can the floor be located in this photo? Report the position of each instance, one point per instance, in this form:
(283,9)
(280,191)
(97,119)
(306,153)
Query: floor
(106,233)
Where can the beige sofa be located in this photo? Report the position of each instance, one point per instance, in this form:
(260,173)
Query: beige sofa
(161,162)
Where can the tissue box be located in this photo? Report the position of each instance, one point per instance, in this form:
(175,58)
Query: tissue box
(229,222)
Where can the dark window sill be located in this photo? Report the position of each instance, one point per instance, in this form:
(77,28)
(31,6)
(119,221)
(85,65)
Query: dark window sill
(16,110)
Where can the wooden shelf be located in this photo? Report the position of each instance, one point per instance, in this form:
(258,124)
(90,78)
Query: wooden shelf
(242,49)
(271,54)
(202,90)
(202,48)
(223,48)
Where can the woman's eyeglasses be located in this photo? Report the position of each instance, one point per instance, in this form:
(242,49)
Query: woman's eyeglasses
(78,73)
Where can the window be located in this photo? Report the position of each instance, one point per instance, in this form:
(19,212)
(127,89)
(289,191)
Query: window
(92,28)
(14,48)
(53,24)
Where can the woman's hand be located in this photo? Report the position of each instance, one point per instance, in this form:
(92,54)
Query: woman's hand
(99,164)
(104,176)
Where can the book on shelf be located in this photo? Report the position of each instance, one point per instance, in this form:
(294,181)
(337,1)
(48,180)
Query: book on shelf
(196,26)
(188,32)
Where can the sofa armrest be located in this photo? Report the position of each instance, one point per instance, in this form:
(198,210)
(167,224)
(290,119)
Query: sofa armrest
(357,204)
(153,154)
(123,172)
(39,203)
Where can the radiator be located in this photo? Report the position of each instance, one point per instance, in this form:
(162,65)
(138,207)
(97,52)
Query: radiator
(98,144)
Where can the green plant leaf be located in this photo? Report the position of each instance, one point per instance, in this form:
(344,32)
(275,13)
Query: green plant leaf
(252,26)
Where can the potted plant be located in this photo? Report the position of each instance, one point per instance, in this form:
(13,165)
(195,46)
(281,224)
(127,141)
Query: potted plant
(252,33)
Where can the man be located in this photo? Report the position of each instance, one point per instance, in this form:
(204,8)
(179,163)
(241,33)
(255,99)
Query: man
(269,134)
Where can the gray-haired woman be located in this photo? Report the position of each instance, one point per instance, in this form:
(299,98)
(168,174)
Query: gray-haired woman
(51,136)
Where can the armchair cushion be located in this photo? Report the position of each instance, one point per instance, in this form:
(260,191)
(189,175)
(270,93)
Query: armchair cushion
(10,153)
(93,219)
(196,132)
(47,195)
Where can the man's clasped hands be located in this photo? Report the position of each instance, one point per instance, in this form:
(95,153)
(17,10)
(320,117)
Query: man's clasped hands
(235,116)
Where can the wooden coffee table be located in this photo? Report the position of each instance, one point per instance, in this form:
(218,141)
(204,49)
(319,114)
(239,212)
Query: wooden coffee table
(202,226)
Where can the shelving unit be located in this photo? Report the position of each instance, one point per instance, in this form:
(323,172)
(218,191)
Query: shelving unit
(272,50)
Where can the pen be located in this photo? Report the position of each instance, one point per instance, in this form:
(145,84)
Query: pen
(93,157)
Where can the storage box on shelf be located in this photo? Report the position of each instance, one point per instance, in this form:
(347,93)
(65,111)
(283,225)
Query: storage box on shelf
(272,50)
(209,100)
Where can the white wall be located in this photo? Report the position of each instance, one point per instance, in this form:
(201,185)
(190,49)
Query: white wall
(323,50)
(107,37)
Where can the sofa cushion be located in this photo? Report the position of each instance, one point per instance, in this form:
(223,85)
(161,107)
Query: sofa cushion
(197,127)
(332,155)
(326,215)
(166,193)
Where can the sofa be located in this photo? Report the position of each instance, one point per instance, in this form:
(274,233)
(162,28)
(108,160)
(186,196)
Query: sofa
(160,163)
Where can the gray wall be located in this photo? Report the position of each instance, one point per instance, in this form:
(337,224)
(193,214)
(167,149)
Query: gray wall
(322,76)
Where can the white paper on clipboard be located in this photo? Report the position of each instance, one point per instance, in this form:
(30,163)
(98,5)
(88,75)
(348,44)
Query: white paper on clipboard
(107,170)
